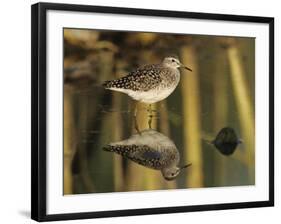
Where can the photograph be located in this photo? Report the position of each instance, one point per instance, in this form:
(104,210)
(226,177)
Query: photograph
(145,111)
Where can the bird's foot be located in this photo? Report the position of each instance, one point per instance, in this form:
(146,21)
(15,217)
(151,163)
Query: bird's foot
(150,110)
(150,118)
(150,121)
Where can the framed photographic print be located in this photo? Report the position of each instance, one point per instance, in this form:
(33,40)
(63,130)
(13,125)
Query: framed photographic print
(138,111)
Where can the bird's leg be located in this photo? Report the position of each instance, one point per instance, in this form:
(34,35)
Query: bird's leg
(150,121)
(135,118)
(150,110)
(149,116)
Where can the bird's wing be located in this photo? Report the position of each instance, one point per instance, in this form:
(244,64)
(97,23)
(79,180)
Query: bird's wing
(144,78)
(150,154)
(146,156)
(141,154)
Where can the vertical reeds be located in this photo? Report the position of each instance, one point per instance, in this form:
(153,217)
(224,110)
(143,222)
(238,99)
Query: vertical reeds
(117,135)
(243,102)
(84,118)
(69,140)
(164,127)
(191,117)
(220,109)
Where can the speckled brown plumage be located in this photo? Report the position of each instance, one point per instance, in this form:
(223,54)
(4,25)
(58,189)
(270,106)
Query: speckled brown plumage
(150,83)
(144,79)
(151,149)
(145,155)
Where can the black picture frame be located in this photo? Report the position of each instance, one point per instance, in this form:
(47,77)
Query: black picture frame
(38,108)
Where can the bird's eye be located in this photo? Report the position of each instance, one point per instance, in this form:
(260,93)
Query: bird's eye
(173,174)
(173,60)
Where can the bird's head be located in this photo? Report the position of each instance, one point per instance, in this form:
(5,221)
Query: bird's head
(172,172)
(173,62)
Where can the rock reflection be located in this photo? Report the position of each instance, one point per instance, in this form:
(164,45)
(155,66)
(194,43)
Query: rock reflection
(150,149)
(226,141)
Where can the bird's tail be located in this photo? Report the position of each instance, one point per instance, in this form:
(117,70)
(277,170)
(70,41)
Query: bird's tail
(121,83)
(108,148)
(108,84)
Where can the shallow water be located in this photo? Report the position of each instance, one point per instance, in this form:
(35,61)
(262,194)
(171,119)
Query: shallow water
(204,102)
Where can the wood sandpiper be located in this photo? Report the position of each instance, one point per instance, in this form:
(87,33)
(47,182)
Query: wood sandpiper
(151,149)
(150,83)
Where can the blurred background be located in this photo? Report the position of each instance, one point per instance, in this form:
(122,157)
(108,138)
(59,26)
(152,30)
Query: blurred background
(218,93)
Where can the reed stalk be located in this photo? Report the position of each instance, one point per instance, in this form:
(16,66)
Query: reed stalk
(220,115)
(117,135)
(69,140)
(244,105)
(164,127)
(191,118)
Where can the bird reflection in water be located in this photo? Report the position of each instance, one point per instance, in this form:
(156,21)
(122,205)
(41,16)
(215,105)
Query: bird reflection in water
(150,149)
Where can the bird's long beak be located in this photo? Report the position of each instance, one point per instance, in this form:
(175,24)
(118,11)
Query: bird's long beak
(185,67)
(185,166)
